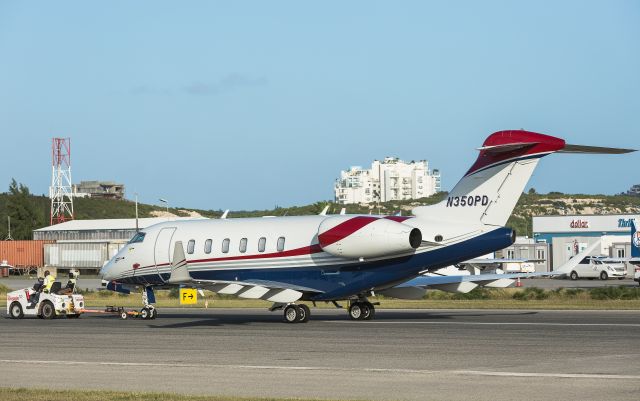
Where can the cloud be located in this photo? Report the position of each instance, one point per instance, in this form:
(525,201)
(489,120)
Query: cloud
(227,84)
(200,88)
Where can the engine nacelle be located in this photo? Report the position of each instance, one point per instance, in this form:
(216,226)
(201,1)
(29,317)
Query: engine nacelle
(366,237)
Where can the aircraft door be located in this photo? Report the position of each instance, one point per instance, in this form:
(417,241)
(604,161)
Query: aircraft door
(162,251)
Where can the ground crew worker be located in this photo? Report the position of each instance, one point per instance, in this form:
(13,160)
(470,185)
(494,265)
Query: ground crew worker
(71,284)
(38,287)
(48,281)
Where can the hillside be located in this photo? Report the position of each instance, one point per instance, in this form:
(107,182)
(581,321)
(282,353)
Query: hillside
(30,212)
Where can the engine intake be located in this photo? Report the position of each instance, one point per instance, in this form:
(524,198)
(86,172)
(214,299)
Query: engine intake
(366,237)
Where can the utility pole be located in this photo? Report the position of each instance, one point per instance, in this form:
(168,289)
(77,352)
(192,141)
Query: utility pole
(166,202)
(9,238)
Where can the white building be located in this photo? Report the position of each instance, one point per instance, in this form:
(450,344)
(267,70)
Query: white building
(387,180)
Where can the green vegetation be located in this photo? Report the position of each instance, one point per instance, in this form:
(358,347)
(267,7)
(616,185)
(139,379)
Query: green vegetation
(23,394)
(24,209)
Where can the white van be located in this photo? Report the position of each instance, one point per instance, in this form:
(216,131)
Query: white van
(598,267)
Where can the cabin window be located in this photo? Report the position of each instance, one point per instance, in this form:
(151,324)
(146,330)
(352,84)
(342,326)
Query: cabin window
(191,245)
(243,245)
(261,244)
(207,246)
(280,244)
(225,245)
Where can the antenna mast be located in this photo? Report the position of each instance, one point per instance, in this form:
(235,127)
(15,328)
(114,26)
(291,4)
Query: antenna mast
(61,191)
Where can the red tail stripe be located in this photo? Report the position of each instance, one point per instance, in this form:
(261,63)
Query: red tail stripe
(540,143)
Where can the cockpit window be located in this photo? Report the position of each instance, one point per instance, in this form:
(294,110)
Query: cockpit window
(139,237)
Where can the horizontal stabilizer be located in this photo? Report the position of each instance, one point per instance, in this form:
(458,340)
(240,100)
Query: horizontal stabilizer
(594,149)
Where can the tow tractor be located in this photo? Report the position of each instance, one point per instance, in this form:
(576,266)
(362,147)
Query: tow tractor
(27,302)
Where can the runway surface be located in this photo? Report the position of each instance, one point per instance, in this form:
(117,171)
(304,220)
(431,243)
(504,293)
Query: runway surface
(402,355)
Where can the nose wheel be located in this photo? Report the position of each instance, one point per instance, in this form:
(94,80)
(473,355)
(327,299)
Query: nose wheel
(148,312)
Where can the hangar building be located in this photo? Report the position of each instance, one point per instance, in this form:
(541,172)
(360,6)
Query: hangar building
(568,235)
(87,244)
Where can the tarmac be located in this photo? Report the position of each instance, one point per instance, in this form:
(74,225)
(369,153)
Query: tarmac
(402,355)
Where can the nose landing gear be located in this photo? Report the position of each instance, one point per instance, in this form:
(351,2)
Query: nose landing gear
(149,311)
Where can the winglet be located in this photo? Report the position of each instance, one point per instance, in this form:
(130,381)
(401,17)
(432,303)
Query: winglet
(324,211)
(224,215)
(343,211)
(635,240)
(179,272)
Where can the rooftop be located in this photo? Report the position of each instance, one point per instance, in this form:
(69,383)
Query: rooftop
(107,224)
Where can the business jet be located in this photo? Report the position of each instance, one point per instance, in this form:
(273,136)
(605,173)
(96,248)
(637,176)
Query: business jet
(332,258)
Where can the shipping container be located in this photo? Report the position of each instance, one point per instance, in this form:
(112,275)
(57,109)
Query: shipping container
(78,255)
(22,254)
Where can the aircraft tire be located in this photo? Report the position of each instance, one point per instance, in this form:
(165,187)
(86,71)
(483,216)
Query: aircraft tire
(305,313)
(154,313)
(372,311)
(15,311)
(145,313)
(356,311)
(292,313)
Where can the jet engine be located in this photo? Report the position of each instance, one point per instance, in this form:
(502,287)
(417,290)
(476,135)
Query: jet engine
(366,237)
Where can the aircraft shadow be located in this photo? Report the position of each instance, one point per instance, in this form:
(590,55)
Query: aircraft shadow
(226,319)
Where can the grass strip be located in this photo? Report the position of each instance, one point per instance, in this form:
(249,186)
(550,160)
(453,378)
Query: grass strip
(24,394)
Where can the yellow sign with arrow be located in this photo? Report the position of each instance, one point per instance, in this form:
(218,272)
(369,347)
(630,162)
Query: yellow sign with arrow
(188,296)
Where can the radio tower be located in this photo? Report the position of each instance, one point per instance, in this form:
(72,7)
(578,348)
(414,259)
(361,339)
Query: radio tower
(60,191)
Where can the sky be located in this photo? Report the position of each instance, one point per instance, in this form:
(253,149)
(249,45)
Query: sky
(253,104)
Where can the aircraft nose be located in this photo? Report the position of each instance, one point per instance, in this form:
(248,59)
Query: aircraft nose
(107,271)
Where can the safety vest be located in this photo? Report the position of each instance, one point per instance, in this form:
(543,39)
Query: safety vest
(48,282)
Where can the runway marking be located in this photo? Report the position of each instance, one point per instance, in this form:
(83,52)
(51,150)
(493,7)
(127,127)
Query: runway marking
(332,369)
(488,323)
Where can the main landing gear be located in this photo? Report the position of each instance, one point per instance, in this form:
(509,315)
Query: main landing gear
(294,313)
(361,310)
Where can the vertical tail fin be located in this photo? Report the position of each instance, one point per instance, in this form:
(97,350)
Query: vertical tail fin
(489,191)
(635,240)
(491,188)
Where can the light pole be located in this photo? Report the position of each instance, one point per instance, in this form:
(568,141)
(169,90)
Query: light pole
(166,202)
(137,227)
